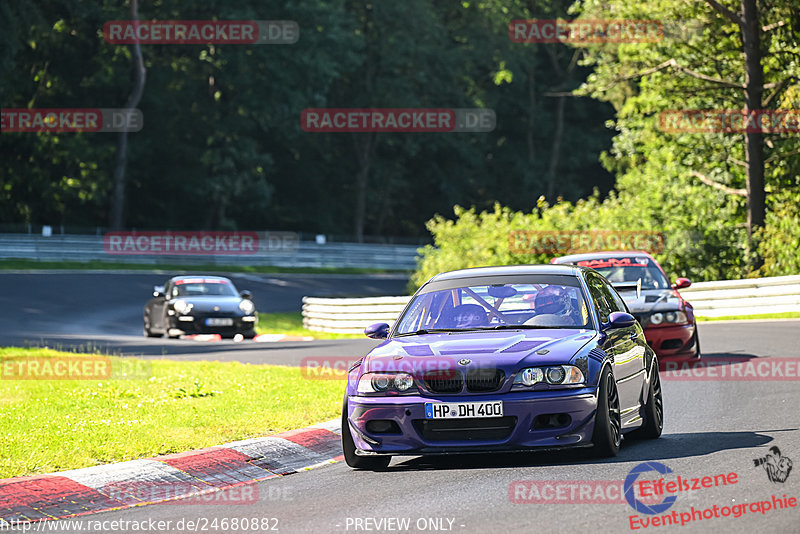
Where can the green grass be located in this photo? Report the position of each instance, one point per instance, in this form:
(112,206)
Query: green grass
(291,323)
(19,264)
(162,407)
(785,315)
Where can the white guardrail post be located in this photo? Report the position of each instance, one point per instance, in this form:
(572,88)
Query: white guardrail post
(350,316)
(752,296)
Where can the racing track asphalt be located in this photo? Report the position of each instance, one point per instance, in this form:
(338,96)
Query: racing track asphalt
(102,311)
(712,427)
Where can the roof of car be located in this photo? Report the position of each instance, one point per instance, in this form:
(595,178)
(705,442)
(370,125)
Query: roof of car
(199,277)
(562,260)
(507,270)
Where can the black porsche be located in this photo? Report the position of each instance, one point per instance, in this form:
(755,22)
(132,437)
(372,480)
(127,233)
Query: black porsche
(199,305)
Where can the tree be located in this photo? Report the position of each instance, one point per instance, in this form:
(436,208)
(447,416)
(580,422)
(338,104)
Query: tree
(740,56)
(117,217)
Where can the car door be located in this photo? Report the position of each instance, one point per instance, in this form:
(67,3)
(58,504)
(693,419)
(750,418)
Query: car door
(626,345)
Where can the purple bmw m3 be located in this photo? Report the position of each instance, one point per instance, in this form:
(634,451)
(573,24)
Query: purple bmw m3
(513,358)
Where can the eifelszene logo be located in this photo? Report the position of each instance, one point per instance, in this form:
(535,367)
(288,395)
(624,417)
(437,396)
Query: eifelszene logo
(777,467)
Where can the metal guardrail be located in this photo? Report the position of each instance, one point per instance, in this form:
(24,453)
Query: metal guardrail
(710,299)
(751,296)
(85,248)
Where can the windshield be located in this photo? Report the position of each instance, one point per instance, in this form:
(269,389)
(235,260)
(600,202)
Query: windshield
(632,269)
(203,288)
(496,306)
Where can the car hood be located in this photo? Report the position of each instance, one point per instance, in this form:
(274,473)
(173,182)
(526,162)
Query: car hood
(508,349)
(207,304)
(652,300)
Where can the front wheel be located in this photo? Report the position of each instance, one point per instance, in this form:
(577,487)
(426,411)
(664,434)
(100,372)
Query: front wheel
(697,353)
(147,331)
(349,449)
(653,411)
(607,433)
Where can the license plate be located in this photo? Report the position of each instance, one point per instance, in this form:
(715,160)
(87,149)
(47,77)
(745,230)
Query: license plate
(219,322)
(462,410)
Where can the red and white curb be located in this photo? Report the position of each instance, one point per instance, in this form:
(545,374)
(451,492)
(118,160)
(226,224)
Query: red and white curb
(180,476)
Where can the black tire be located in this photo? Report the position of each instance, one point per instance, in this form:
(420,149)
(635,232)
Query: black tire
(653,411)
(697,354)
(147,331)
(607,433)
(349,449)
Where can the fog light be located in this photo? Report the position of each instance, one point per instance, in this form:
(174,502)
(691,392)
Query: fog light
(185,318)
(382,426)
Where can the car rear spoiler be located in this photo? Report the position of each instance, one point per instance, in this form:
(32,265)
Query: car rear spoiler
(629,286)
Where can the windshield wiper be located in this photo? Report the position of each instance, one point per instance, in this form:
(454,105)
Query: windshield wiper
(522,327)
(428,331)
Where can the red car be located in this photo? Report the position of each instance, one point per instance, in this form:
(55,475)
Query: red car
(668,320)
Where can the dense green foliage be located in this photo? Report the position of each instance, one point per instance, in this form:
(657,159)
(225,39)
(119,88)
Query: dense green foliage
(657,172)
(222,146)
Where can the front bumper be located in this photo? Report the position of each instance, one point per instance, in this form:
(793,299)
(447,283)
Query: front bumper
(515,431)
(672,343)
(198,325)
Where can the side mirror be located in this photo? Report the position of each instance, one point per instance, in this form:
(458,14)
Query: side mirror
(377,331)
(681,283)
(619,320)
(158,291)
(246,295)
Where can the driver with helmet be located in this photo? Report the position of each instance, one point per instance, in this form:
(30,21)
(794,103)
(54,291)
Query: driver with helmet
(556,304)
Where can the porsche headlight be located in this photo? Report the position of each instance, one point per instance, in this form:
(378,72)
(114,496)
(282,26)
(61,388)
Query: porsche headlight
(247,307)
(182,307)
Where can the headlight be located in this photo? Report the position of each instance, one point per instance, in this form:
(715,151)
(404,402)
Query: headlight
(382,382)
(182,307)
(529,376)
(247,306)
(672,317)
(676,317)
(556,374)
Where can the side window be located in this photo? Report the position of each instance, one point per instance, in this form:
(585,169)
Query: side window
(613,299)
(599,296)
(619,304)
